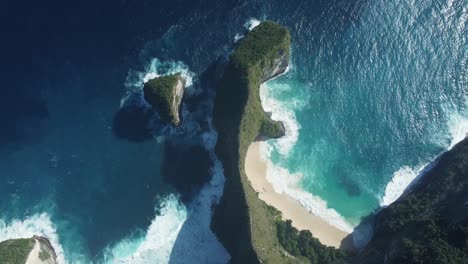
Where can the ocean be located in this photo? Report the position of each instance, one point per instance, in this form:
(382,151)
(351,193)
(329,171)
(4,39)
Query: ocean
(375,92)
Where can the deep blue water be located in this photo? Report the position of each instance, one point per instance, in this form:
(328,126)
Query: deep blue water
(373,88)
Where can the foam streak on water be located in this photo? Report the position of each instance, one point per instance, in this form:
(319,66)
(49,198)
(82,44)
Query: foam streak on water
(156,245)
(406,176)
(281,179)
(180,233)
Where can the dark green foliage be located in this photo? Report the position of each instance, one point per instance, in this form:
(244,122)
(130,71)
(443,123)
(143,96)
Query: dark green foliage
(251,230)
(15,251)
(303,245)
(430,223)
(264,44)
(159,92)
(44,255)
(272,129)
(244,224)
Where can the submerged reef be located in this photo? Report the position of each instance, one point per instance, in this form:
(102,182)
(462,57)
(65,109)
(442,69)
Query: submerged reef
(165,95)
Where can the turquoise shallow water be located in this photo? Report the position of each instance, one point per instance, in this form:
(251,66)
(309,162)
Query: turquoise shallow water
(373,104)
(376,91)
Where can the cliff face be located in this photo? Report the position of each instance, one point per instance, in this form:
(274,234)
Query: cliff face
(165,95)
(279,66)
(177,100)
(243,223)
(45,252)
(429,224)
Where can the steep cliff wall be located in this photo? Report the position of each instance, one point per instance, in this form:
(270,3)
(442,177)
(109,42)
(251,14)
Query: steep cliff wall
(429,224)
(244,223)
(165,95)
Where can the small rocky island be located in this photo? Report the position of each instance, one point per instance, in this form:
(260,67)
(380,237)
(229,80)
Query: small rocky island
(164,94)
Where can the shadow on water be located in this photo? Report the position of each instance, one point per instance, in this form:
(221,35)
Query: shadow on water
(345,14)
(21,116)
(186,167)
(193,177)
(133,123)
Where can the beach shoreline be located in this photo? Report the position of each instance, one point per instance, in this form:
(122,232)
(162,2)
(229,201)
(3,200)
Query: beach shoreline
(256,171)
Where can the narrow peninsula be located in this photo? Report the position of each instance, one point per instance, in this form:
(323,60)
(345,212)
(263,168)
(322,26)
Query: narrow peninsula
(165,95)
(246,225)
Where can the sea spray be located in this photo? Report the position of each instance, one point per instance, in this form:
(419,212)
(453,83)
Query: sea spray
(406,176)
(164,241)
(252,23)
(401,179)
(249,25)
(281,179)
(180,233)
(156,245)
(155,68)
(285,182)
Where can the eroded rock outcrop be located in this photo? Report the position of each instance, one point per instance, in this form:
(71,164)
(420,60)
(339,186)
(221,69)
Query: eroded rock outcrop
(164,94)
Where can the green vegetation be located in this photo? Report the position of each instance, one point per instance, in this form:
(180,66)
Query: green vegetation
(15,251)
(429,224)
(244,224)
(44,255)
(160,93)
(303,245)
(272,128)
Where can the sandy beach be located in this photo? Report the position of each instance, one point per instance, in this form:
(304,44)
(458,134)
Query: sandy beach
(255,168)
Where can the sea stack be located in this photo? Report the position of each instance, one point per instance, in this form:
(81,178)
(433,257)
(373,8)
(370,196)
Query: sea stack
(164,94)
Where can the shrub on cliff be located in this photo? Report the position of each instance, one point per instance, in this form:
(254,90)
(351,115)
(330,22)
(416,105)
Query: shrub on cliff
(15,251)
(430,223)
(303,245)
(159,93)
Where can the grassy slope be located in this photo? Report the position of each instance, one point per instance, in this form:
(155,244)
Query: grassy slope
(246,225)
(430,224)
(15,251)
(159,92)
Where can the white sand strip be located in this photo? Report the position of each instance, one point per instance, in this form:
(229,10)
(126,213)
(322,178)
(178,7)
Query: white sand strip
(255,168)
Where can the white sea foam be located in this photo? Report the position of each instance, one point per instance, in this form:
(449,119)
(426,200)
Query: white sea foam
(400,181)
(281,179)
(237,37)
(180,234)
(458,128)
(249,25)
(283,114)
(458,125)
(285,182)
(38,224)
(252,23)
(157,243)
(136,79)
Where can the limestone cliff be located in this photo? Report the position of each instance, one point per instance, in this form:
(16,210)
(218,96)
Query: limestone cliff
(244,224)
(165,95)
